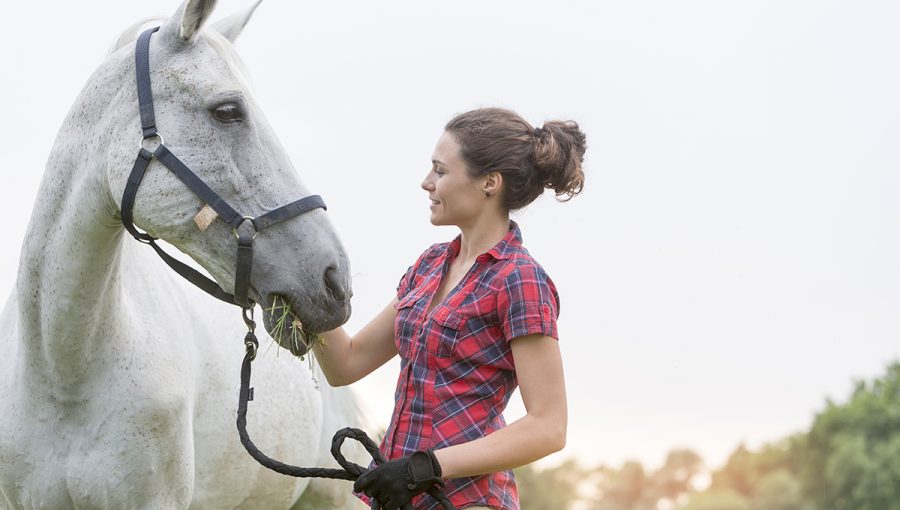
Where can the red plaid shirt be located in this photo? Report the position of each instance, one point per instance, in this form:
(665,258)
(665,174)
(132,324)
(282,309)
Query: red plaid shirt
(457,371)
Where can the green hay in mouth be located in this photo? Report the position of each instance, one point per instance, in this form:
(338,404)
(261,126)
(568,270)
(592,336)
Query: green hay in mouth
(288,332)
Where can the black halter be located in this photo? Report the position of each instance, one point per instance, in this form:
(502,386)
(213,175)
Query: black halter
(226,212)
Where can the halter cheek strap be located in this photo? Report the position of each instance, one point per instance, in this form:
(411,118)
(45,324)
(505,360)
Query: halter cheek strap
(227,213)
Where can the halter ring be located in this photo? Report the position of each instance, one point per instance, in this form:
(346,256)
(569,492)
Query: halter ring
(144,139)
(255,232)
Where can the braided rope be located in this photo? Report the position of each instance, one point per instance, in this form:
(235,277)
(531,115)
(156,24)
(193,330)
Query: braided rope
(351,471)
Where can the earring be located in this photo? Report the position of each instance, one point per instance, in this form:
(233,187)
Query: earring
(487,193)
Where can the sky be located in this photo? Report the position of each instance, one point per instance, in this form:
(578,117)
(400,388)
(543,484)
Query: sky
(733,259)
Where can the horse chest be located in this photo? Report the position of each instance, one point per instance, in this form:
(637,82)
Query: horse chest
(68,455)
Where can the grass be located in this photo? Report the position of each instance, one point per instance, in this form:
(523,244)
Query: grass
(284,326)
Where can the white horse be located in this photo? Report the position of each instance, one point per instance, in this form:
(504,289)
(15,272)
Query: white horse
(118,380)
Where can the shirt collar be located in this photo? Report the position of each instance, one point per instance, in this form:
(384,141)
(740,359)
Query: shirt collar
(502,250)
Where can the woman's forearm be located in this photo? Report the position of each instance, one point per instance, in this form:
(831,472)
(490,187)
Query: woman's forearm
(521,442)
(345,359)
(333,356)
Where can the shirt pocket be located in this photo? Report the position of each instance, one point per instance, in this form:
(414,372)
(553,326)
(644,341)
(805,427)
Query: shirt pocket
(450,330)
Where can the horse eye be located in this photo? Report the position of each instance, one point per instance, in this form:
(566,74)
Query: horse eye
(228,112)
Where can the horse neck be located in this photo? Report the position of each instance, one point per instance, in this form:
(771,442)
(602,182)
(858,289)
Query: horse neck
(69,280)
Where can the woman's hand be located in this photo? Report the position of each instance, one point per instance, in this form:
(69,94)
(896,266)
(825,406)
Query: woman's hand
(395,483)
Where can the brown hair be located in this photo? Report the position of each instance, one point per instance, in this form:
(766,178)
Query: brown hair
(529,159)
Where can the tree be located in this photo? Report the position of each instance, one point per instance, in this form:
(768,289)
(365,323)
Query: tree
(624,489)
(717,499)
(849,459)
(674,478)
(555,488)
(777,490)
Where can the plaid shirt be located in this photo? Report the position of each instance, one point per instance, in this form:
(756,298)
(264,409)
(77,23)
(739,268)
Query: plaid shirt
(457,371)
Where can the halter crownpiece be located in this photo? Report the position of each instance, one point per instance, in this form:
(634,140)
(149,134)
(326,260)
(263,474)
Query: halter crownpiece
(245,228)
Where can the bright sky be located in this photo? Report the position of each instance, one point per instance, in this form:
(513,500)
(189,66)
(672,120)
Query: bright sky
(733,260)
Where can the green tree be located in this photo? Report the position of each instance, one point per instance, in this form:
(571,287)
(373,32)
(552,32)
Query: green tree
(555,487)
(744,469)
(777,490)
(717,499)
(849,459)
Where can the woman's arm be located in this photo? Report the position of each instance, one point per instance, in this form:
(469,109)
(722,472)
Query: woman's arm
(345,359)
(540,432)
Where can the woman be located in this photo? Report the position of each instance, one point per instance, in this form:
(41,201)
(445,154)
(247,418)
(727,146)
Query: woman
(472,319)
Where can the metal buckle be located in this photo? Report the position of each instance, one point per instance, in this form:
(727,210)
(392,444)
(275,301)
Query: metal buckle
(248,318)
(250,342)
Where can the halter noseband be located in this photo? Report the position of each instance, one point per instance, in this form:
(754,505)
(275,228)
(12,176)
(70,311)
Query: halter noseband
(205,193)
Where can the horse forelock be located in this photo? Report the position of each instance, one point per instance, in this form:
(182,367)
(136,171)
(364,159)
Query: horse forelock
(131,33)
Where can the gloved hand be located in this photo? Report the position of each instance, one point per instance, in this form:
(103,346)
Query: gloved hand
(395,483)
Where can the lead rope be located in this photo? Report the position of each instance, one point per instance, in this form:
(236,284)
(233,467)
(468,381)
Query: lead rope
(351,471)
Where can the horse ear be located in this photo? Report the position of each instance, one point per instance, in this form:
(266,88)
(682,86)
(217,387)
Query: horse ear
(185,24)
(232,26)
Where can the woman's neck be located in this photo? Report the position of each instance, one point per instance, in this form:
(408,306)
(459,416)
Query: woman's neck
(482,235)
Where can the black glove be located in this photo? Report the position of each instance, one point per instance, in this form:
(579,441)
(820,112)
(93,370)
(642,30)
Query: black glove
(395,483)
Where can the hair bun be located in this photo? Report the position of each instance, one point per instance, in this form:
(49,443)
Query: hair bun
(558,156)
(530,159)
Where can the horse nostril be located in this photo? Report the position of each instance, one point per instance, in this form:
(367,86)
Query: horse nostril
(333,284)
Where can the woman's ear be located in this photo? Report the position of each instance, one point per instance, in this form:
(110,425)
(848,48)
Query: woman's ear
(493,183)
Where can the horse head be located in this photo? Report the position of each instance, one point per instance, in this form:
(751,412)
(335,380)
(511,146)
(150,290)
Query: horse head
(206,115)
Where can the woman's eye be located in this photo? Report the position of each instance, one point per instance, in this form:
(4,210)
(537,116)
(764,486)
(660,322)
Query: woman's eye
(228,112)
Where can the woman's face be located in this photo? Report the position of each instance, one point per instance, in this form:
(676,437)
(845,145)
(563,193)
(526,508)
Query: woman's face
(456,199)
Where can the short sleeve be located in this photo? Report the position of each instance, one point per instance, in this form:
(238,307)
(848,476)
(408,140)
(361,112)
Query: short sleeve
(528,303)
(403,284)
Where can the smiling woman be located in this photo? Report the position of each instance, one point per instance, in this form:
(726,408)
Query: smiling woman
(472,320)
